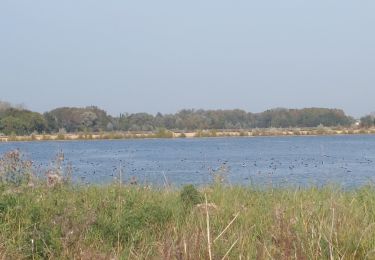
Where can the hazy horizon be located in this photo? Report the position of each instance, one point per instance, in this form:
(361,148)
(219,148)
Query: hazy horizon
(165,56)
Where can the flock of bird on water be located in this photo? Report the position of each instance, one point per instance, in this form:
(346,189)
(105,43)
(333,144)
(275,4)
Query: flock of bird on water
(154,166)
(149,171)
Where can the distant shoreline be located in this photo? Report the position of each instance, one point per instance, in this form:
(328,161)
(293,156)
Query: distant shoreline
(318,131)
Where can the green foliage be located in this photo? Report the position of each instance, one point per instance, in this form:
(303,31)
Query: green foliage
(137,122)
(190,196)
(7,203)
(113,222)
(235,119)
(21,122)
(78,119)
(163,133)
(93,119)
(368,121)
(126,222)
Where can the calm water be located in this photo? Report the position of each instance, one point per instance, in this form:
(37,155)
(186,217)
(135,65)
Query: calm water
(299,161)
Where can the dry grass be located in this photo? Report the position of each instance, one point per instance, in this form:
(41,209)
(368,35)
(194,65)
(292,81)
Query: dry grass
(43,221)
(140,223)
(313,131)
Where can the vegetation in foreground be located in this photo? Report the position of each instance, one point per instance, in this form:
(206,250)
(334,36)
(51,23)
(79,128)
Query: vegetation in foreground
(124,222)
(55,219)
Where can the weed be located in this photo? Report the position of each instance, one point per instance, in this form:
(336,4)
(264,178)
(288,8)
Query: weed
(190,196)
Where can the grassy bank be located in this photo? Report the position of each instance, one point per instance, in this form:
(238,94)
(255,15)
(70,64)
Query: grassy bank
(51,218)
(132,222)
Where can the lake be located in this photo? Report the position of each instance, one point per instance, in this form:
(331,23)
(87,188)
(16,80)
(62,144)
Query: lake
(348,161)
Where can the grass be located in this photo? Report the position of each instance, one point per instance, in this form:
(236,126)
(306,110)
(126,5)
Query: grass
(138,223)
(56,219)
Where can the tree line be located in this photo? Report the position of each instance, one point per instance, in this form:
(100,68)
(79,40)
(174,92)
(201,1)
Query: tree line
(368,121)
(20,121)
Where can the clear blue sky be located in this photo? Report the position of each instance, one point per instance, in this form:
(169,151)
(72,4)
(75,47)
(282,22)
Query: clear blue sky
(150,56)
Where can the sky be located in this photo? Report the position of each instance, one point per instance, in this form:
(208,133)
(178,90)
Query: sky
(163,56)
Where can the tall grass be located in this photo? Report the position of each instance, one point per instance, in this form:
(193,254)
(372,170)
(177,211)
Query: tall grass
(137,222)
(121,221)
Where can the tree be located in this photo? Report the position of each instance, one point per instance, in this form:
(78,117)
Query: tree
(22,122)
(368,121)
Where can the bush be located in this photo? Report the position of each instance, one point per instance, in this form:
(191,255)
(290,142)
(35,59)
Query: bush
(243,133)
(190,196)
(60,137)
(14,169)
(163,133)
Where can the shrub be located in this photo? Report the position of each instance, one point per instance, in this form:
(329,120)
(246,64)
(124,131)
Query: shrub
(243,133)
(60,137)
(59,173)
(190,196)
(198,133)
(163,133)
(14,169)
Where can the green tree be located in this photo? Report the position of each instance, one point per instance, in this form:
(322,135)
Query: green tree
(368,121)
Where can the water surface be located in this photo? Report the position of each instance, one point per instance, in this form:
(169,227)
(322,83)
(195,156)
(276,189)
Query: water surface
(348,161)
